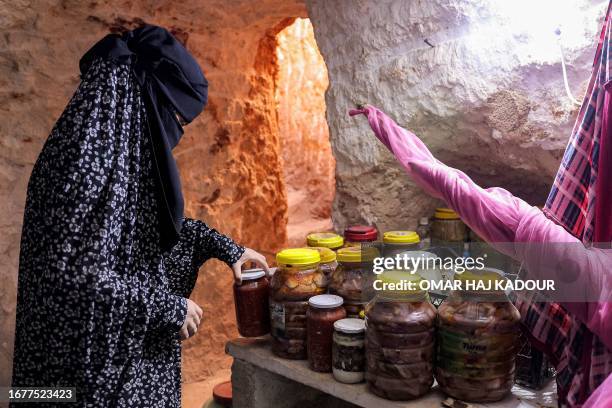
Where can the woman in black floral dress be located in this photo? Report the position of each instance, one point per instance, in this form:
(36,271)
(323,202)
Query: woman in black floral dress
(107,259)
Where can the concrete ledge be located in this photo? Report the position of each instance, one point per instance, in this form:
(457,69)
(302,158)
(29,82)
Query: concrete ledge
(262,380)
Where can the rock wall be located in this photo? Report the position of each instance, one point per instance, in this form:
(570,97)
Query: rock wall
(308,164)
(229,158)
(478,80)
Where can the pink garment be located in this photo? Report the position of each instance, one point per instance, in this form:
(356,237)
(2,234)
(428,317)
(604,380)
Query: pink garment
(602,397)
(507,222)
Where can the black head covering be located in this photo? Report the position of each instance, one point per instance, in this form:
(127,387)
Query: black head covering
(172,83)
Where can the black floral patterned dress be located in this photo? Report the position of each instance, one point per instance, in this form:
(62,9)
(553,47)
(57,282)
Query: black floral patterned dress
(99,304)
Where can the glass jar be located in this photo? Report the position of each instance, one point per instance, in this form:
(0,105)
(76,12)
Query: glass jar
(396,242)
(348,351)
(297,278)
(323,312)
(351,278)
(251,303)
(357,235)
(329,240)
(400,339)
(477,341)
(423,230)
(328,261)
(448,230)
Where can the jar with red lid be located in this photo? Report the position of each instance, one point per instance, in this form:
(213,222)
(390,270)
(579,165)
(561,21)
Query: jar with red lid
(323,312)
(356,235)
(251,303)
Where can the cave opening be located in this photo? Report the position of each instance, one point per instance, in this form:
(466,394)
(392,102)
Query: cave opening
(308,165)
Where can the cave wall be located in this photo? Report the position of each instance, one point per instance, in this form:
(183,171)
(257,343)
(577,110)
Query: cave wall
(478,80)
(307,160)
(229,158)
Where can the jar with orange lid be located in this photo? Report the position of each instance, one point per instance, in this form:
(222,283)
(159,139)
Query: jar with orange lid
(357,235)
(353,277)
(477,339)
(400,337)
(297,278)
(396,242)
(328,262)
(329,240)
(448,230)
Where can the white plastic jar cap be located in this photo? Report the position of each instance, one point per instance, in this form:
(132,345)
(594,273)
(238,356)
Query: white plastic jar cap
(252,274)
(325,301)
(350,325)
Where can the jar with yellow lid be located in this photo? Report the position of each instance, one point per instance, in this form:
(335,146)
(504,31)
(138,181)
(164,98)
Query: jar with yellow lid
(395,242)
(297,278)
(353,277)
(328,262)
(329,240)
(448,230)
(400,337)
(477,339)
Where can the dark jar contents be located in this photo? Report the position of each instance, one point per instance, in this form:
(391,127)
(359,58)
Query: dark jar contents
(400,341)
(323,312)
(251,302)
(288,328)
(348,351)
(477,341)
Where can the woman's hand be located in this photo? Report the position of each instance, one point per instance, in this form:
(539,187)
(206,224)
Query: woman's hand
(192,320)
(253,256)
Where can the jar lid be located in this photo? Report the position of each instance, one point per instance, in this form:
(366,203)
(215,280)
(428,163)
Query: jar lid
(222,394)
(298,256)
(252,274)
(325,301)
(398,276)
(357,254)
(443,213)
(401,237)
(360,233)
(326,254)
(484,275)
(350,325)
(325,239)
(424,221)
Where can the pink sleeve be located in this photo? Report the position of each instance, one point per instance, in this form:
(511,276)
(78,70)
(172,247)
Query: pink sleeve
(493,213)
(508,223)
(602,396)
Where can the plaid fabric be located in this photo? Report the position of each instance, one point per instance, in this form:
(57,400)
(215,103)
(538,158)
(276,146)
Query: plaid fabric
(582,361)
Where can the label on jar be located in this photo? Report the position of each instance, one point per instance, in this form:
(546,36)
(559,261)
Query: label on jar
(277,319)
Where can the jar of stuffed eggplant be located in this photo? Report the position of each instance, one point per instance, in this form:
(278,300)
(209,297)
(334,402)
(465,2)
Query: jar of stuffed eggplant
(399,345)
(477,340)
(353,277)
(348,351)
(297,278)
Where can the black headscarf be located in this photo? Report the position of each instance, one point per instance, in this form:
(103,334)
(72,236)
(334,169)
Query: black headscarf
(172,83)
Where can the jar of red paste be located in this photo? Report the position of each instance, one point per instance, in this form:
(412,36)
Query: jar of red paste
(251,302)
(356,235)
(323,312)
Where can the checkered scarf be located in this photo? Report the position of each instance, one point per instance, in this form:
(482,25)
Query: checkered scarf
(582,361)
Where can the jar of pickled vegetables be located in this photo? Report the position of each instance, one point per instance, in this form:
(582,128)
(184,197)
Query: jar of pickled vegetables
(251,303)
(323,312)
(297,278)
(329,240)
(352,278)
(357,235)
(348,351)
(447,229)
(328,261)
(477,340)
(399,344)
(396,242)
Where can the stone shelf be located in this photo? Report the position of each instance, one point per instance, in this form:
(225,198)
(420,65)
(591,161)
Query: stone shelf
(262,380)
